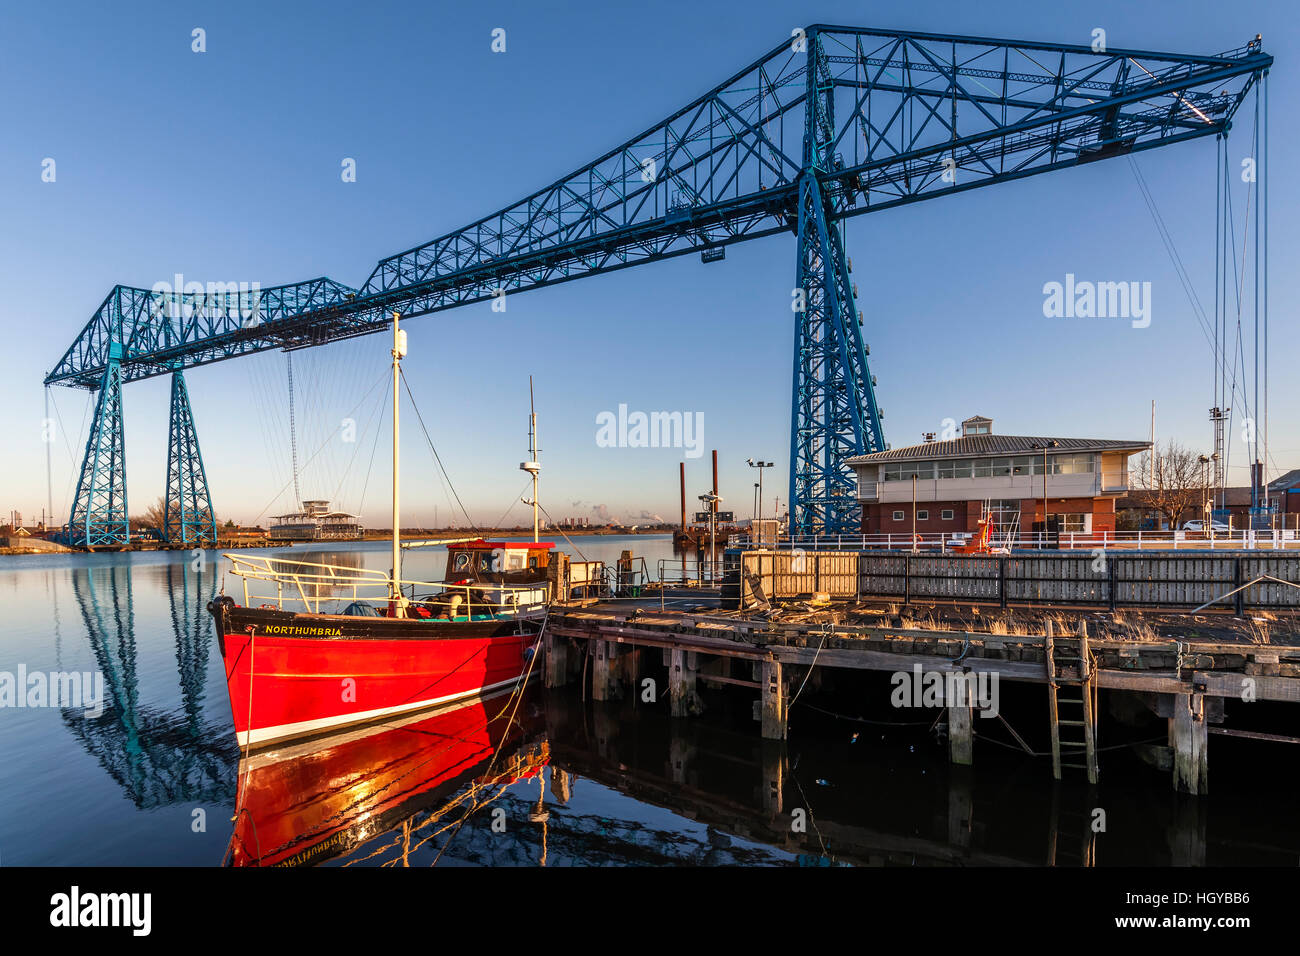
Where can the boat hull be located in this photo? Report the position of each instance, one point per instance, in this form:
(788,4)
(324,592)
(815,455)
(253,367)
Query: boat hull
(293,676)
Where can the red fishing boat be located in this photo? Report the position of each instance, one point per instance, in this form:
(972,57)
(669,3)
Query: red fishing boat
(317,647)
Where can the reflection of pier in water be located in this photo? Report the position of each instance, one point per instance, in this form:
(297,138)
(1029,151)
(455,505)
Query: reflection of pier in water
(158,757)
(883,811)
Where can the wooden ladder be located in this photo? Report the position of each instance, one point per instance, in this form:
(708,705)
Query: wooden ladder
(1070,665)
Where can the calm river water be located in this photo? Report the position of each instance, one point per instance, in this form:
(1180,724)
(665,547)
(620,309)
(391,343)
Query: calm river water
(156,778)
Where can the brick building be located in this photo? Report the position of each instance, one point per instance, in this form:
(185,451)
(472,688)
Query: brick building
(957,480)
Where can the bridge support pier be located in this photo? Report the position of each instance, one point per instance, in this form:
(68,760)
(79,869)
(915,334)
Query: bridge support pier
(99,517)
(187,509)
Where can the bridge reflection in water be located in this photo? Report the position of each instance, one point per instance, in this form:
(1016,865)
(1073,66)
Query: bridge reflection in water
(158,755)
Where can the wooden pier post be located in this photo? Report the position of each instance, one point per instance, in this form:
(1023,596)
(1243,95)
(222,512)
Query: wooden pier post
(603,681)
(681,682)
(961,731)
(629,669)
(773,690)
(1191,739)
(557,577)
(557,660)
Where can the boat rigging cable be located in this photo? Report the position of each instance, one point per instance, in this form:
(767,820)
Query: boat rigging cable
(293,433)
(436,456)
(318,450)
(1228,392)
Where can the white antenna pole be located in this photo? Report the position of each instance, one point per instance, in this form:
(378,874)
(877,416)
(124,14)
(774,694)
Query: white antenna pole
(532,443)
(532,465)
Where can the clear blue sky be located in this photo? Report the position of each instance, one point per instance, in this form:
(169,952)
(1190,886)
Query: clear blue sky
(225,166)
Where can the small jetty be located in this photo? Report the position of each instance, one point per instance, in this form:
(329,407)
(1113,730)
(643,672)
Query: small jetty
(610,647)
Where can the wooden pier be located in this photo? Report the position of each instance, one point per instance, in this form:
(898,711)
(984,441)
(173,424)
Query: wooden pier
(1183,681)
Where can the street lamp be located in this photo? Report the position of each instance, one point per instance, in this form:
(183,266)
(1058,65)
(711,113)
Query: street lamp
(760,465)
(1046,445)
(1205,461)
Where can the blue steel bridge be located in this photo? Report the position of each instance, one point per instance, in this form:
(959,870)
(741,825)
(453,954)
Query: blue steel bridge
(833,122)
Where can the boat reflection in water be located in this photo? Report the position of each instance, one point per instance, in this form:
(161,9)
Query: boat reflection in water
(388,794)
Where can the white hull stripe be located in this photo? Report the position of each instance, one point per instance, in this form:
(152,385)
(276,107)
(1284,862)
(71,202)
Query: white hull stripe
(302,727)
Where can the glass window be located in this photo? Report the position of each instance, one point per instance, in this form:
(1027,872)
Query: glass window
(946,514)
(898,516)
(1071,464)
(983,467)
(1001,467)
(1022,465)
(461,561)
(923,515)
(921,469)
(891,471)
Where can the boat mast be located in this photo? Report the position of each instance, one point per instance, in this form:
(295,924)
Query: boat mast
(532,466)
(399,352)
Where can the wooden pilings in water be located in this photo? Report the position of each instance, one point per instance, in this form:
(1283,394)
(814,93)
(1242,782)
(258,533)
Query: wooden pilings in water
(682,667)
(1189,731)
(555,668)
(773,701)
(961,731)
(1183,681)
(602,667)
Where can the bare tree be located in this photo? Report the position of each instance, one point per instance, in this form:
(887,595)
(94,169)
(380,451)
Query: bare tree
(1173,481)
(152,517)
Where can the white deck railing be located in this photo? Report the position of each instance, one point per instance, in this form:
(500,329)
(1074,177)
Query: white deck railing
(312,585)
(1033,541)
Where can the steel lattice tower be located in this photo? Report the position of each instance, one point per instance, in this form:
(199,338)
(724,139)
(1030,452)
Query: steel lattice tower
(99,510)
(187,512)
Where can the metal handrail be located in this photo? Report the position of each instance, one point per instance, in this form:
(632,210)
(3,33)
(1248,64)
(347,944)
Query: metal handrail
(671,571)
(1237,539)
